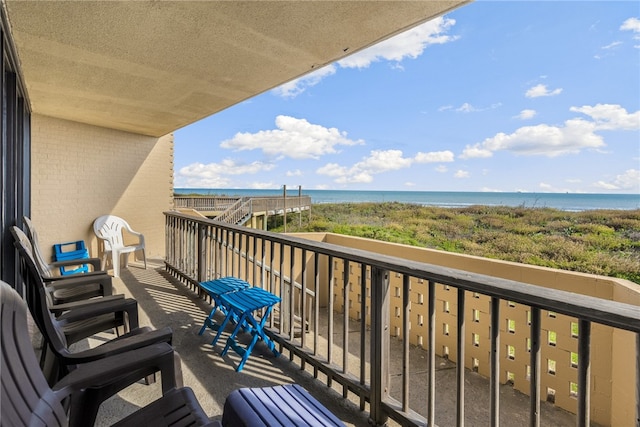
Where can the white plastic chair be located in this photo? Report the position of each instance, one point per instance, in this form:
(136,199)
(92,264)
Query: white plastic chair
(110,229)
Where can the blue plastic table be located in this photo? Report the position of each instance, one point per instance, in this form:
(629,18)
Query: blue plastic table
(216,288)
(242,305)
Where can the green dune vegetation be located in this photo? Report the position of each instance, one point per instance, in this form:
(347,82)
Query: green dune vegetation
(604,242)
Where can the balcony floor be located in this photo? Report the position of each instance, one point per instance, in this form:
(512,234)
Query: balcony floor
(165,302)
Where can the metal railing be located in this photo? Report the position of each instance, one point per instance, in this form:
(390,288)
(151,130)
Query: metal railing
(199,250)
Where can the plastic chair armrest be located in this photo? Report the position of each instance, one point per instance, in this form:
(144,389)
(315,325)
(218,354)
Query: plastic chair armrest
(104,280)
(135,233)
(121,345)
(128,305)
(102,371)
(161,411)
(93,262)
(95,275)
(61,308)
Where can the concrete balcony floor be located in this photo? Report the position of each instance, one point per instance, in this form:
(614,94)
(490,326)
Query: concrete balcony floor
(165,302)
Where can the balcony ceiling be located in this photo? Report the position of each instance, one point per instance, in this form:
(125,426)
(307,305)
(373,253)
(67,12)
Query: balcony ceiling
(152,67)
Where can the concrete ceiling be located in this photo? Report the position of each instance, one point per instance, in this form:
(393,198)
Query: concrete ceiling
(151,67)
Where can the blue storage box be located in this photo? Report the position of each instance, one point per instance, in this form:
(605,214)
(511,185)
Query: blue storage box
(69,251)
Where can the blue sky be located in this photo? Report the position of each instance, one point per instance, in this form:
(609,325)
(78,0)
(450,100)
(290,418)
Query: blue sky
(494,96)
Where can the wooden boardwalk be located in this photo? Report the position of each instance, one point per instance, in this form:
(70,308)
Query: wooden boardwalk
(240,210)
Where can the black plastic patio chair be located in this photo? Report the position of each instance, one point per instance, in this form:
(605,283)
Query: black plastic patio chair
(74,324)
(27,399)
(32,233)
(65,289)
(78,319)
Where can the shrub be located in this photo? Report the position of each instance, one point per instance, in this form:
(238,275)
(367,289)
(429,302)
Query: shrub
(605,242)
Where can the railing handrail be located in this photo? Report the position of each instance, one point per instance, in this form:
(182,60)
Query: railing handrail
(610,313)
(231,213)
(203,202)
(270,204)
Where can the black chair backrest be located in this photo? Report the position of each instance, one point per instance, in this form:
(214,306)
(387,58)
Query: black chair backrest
(43,266)
(26,398)
(20,237)
(38,297)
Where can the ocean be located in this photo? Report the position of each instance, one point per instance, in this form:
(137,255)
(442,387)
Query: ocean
(448,199)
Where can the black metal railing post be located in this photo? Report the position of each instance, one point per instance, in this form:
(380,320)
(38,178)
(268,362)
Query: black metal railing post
(380,341)
(494,381)
(534,390)
(584,373)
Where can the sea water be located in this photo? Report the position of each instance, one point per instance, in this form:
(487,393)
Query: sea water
(450,199)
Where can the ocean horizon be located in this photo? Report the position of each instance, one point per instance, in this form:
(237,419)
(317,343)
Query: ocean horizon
(448,199)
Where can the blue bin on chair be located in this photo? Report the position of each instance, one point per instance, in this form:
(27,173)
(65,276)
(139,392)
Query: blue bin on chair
(69,251)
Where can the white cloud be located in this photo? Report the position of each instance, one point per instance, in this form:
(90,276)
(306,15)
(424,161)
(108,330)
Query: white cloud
(527,114)
(608,49)
(332,169)
(379,161)
(541,90)
(409,44)
(545,186)
(632,24)
(628,180)
(216,175)
(409,184)
(441,169)
(294,138)
(466,108)
(383,161)
(434,157)
(611,45)
(476,151)
(296,172)
(544,140)
(610,116)
(461,174)
(605,185)
(264,186)
(297,86)
(551,141)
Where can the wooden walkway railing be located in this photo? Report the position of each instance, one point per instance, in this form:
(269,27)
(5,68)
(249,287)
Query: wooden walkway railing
(236,210)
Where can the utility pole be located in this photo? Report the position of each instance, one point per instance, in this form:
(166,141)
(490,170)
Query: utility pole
(284,205)
(299,207)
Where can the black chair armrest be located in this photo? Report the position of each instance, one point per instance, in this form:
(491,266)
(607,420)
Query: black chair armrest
(125,305)
(140,338)
(176,401)
(61,308)
(104,280)
(103,371)
(95,263)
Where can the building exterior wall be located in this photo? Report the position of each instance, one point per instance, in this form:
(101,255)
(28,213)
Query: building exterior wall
(612,351)
(80,172)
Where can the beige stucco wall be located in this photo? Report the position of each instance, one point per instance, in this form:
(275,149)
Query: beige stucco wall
(612,351)
(80,172)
